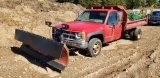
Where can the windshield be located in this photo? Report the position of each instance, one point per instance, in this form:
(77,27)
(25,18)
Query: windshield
(93,16)
(156,12)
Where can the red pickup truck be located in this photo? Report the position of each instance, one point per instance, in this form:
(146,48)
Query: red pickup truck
(96,26)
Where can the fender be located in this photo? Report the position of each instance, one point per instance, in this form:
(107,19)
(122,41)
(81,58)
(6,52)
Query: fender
(99,32)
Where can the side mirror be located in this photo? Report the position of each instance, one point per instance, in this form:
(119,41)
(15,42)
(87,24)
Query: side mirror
(48,23)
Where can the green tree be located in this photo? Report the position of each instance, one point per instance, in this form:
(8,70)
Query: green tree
(61,1)
(114,2)
(151,2)
(88,3)
(121,2)
(129,4)
(143,3)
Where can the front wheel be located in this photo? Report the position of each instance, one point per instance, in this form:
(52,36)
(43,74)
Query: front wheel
(94,47)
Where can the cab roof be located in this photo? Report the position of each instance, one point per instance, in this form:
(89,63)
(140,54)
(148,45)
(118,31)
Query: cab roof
(97,9)
(104,8)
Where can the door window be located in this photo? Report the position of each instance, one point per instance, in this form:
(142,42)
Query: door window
(112,19)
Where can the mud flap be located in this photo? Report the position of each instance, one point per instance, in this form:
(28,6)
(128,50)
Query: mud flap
(48,50)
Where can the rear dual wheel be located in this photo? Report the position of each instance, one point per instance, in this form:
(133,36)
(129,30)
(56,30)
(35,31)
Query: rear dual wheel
(135,34)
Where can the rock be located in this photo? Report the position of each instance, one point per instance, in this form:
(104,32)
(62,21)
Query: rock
(25,69)
(76,58)
(20,76)
(24,72)
(28,9)
(75,68)
(15,60)
(40,0)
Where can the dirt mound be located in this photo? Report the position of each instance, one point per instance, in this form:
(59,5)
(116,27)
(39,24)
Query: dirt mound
(40,5)
(30,15)
(121,59)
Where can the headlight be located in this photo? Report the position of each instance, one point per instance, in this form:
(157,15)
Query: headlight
(80,35)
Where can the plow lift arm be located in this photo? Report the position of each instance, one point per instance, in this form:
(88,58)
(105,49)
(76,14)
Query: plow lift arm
(51,52)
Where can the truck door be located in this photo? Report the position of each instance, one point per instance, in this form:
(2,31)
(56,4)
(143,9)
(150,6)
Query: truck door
(109,28)
(118,25)
(115,28)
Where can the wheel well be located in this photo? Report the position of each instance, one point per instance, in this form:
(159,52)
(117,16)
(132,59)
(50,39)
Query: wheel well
(99,36)
(128,31)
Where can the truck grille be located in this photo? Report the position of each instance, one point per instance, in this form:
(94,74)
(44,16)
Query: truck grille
(155,18)
(65,34)
(68,36)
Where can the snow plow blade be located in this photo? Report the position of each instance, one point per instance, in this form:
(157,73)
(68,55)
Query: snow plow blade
(53,53)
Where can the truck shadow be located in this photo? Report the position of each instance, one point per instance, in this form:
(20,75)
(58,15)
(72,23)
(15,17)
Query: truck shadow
(75,51)
(127,38)
(156,25)
(82,52)
(32,60)
(104,45)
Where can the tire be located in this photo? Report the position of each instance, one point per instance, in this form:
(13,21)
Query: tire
(94,47)
(148,23)
(135,34)
(131,34)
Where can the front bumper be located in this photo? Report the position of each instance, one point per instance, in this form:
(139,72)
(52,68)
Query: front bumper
(154,21)
(76,44)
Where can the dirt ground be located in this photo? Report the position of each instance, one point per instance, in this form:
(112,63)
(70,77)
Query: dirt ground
(119,59)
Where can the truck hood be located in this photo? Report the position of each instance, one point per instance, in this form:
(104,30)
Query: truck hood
(81,25)
(154,15)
